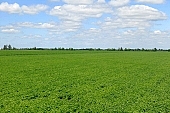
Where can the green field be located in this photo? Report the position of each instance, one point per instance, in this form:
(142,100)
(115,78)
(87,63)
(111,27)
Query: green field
(84,82)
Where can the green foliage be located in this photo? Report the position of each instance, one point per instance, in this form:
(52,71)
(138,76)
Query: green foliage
(7,47)
(84,81)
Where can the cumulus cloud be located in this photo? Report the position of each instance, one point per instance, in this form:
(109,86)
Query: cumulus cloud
(10,31)
(151,1)
(101,1)
(118,3)
(33,9)
(141,12)
(37,25)
(135,16)
(16,8)
(10,8)
(52,27)
(69,26)
(72,16)
(79,12)
(157,32)
(79,2)
(120,23)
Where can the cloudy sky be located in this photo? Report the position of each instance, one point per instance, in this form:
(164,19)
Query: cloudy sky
(85,23)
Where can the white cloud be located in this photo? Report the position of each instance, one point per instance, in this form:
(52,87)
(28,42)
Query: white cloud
(152,1)
(34,9)
(118,3)
(72,16)
(129,38)
(15,8)
(46,25)
(120,23)
(101,1)
(52,27)
(10,31)
(9,27)
(135,16)
(77,13)
(25,24)
(157,32)
(69,26)
(37,25)
(78,2)
(141,12)
(32,36)
(10,8)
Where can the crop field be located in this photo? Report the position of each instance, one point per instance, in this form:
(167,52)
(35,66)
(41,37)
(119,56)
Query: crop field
(84,82)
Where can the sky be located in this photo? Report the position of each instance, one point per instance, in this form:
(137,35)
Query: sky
(85,23)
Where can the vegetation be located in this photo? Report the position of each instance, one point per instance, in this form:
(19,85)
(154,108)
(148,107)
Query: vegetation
(9,47)
(84,81)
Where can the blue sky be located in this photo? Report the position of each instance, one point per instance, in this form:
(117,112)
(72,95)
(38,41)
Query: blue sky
(85,23)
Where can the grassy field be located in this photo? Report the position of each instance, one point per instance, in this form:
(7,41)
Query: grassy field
(84,82)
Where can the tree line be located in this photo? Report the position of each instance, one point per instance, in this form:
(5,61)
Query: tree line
(9,47)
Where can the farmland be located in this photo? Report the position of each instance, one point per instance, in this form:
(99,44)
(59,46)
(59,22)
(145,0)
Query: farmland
(84,81)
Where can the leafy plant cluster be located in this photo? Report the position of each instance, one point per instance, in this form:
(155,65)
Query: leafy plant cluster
(84,82)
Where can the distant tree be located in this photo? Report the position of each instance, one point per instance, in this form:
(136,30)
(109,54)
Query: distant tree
(113,49)
(154,49)
(14,48)
(98,49)
(5,47)
(61,48)
(70,49)
(34,48)
(126,49)
(9,47)
(108,49)
(91,49)
(120,49)
(137,49)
